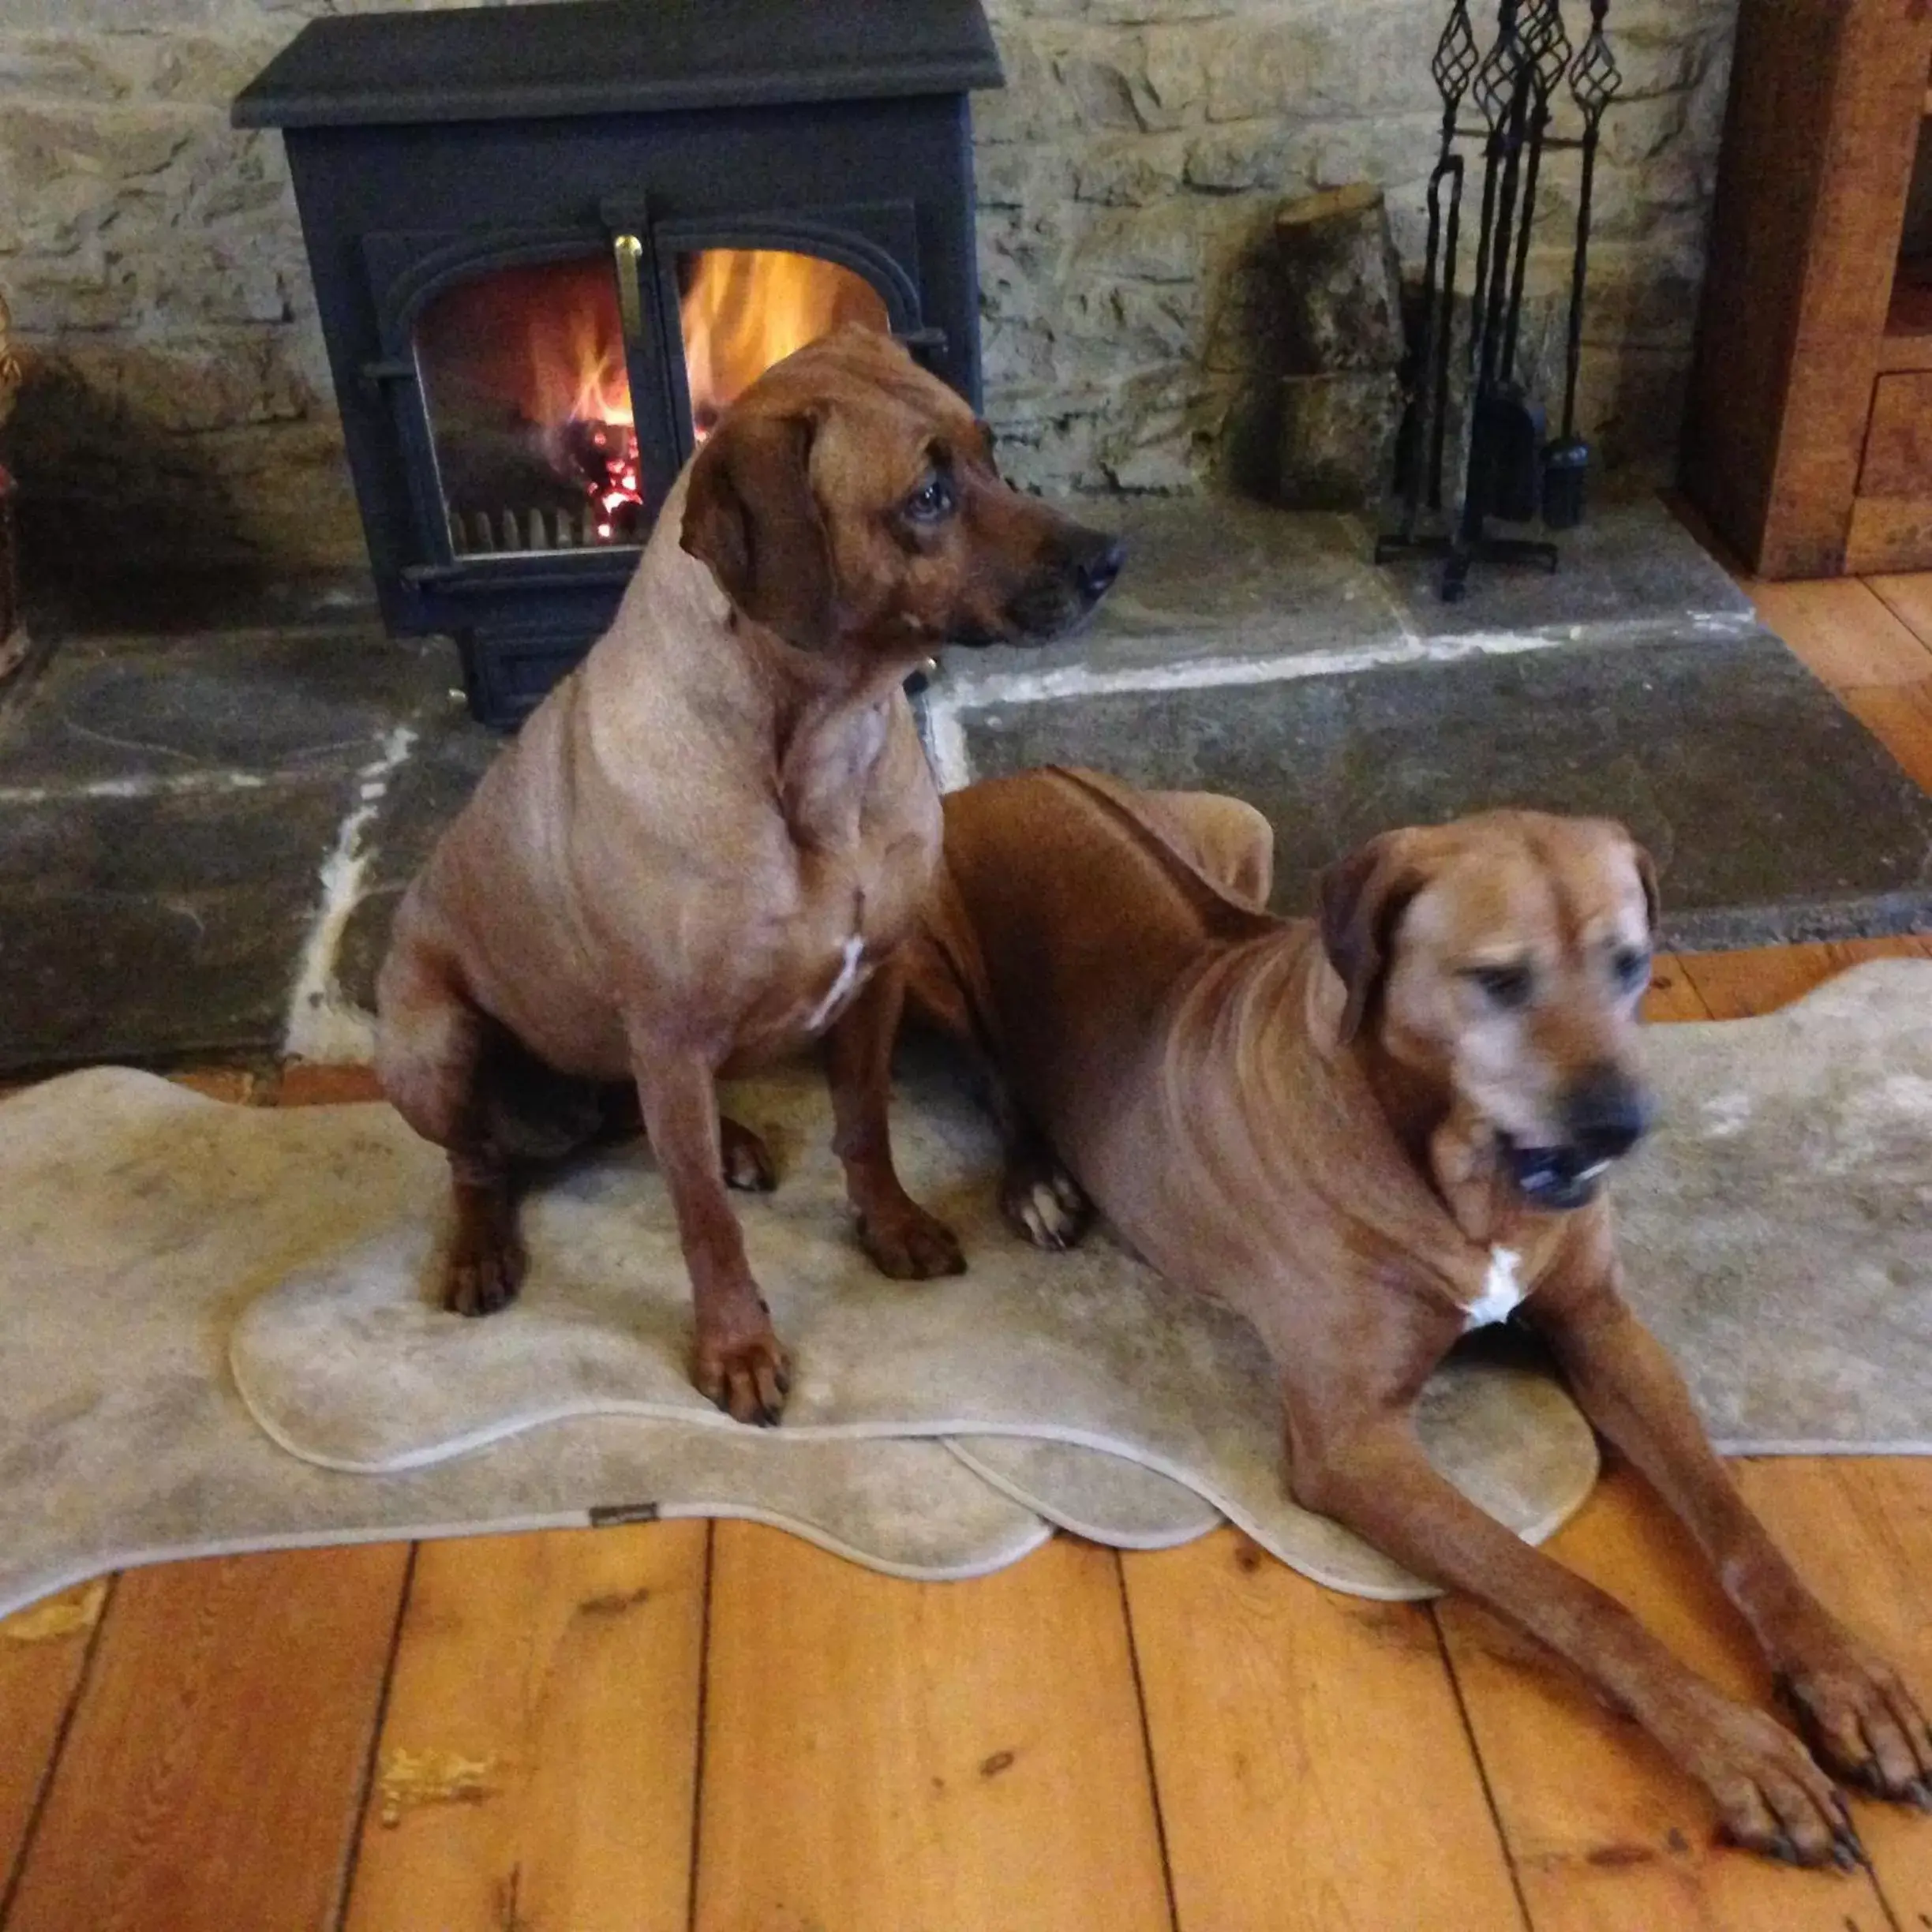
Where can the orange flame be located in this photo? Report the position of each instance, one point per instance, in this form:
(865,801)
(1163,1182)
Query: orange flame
(746,308)
(577,368)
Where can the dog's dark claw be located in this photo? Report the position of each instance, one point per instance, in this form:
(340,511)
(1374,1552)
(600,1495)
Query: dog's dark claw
(1919,1793)
(1783,1851)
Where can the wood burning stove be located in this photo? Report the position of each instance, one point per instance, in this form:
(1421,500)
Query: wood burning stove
(550,242)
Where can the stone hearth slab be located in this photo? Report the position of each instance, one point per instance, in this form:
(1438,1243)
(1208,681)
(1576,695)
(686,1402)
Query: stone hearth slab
(451,754)
(1773,816)
(159,925)
(174,809)
(1208,580)
(203,832)
(133,713)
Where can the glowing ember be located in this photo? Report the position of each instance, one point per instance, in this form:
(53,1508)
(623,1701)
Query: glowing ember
(746,308)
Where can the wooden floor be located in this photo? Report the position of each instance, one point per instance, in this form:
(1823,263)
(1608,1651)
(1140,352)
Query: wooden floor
(716,1726)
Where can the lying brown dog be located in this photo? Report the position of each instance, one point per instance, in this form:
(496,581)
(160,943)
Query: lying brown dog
(1369,1135)
(709,841)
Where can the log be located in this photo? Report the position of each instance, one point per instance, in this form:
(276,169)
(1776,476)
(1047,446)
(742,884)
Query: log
(1338,439)
(1341,283)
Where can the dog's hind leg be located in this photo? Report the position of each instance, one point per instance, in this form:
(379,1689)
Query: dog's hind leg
(431,1052)
(944,986)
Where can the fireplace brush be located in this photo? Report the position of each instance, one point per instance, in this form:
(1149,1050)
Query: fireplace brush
(1508,468)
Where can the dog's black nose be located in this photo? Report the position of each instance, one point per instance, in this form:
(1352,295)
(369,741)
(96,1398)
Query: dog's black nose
(1607,1114)
(1097,563)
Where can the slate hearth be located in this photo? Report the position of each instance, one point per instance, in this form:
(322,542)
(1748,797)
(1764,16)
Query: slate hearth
(203,836)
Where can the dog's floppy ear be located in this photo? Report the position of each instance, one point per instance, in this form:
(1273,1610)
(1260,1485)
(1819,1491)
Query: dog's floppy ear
(749,514)
(1653,901)
(1362,896)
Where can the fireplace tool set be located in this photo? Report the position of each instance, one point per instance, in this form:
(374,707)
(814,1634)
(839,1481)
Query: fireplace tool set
(1512,470)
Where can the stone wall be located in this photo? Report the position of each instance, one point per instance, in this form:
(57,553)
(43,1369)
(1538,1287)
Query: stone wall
(179,405)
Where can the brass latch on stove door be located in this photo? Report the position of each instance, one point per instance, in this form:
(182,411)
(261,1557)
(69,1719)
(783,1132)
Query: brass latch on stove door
(629,252)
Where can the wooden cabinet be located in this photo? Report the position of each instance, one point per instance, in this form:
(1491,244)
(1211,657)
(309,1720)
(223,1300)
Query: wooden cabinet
(1808,441)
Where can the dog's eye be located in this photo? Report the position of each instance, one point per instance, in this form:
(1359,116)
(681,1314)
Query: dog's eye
(931,502)
(1503,985)
(1631,966)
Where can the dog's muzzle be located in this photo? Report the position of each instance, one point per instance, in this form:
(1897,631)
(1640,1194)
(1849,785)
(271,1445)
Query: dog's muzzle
(1082,572)
(1607,1114)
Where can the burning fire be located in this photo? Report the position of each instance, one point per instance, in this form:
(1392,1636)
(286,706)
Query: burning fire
(746,308)
(580,391)
(528,363)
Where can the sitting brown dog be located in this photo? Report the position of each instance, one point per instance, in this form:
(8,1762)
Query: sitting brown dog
(1369,1134)
(708,843)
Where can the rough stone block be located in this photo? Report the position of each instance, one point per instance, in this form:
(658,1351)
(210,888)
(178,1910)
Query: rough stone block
(1130,173)
(1249,155)
(59,68)
(1162,243)
(1255,69)
(1170,87)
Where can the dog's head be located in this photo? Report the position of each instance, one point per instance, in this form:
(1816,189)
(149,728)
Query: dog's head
(848,499)
(1506,956)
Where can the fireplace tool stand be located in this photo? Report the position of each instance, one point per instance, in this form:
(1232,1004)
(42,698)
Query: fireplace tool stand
(1511,470)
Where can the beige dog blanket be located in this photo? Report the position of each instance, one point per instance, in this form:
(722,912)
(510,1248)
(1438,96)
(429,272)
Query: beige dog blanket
(1778,1233)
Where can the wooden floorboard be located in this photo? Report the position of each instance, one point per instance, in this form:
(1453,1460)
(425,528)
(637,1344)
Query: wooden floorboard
(1846,634)
(1605,1834)
(212,1771)
(1860,1529)
(537,1763)
(881,1756)
(1900,717)
(1738,985)
(1671,995)
(1309,1754)
(1909,599)
(43,1652)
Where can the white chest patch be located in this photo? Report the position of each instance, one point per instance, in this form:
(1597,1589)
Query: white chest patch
(1501,1291)
(848,977)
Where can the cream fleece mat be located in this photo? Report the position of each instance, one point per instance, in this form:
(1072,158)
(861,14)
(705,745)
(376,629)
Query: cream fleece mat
(1777,1230)
(1777,1233)
(349,1364)
(137,1220)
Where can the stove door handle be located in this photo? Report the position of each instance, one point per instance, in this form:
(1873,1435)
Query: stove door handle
(628,251)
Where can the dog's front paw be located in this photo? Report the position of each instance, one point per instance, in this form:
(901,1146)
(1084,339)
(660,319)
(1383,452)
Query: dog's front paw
(485,1271)
(1860,1718)
(908,1244)
(748,1164)
(748,1376)
(1771,1795)
(1044,1204)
